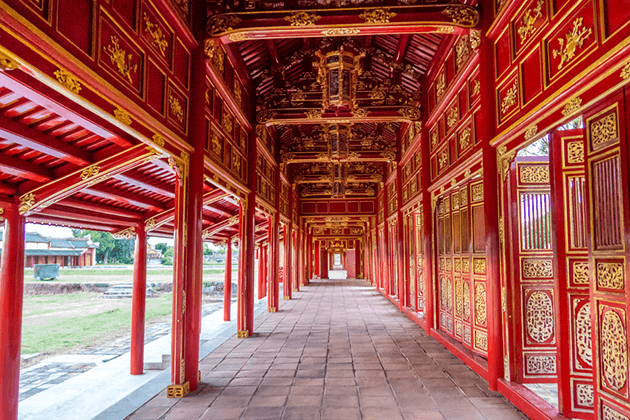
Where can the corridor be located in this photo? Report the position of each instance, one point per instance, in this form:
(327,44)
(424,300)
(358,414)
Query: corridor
(337,350)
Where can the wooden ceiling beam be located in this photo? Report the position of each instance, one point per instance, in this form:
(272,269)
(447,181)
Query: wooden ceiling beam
(277,24)
(401,48)
(26,136)
(24,169)
(137,180)
(100,208)
(124,197)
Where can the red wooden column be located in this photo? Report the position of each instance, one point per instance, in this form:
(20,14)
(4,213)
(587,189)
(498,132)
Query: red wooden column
(138,303)
(298,258)
(487,127)
(288,263)
(245,320)
(309,255)
(274,258)
(403,265)
(11,299)
(316,263)
(261,270)
(427,220)
(227,286)
(265,278)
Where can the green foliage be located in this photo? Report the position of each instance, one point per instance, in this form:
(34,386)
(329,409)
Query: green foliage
(170,252)
(167,261)
(206,249)
(109,249)
(162,247)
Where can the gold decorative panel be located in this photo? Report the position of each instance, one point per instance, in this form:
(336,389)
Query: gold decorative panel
(541,365)
(603,131)
(480,304)
(614,350)
(479,265)
(481,340)
(537,268)
(584,395)
(583,333)
(580,272)
(539,316)
(476,192)
(610,275)
(466,300)
(575,152)
(534,174)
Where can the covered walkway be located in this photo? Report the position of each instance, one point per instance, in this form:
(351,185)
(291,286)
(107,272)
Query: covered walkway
(337,350)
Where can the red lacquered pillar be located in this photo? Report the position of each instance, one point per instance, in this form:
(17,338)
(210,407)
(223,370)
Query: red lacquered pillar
(399,243)
(274,258)
(287,287)
(138,303)
(259,279)
(487,127)
(265,278)
(227,286)
(298,259)
(11,297)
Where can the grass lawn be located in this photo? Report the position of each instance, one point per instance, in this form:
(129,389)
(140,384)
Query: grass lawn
(54,322)
(106,275)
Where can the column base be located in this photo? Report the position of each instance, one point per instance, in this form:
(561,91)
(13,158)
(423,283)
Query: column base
(286,298)
(178,391)
(296,290)
(242,334)
(272,310)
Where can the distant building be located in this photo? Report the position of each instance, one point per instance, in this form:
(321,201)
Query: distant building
(67,252)
(153,255)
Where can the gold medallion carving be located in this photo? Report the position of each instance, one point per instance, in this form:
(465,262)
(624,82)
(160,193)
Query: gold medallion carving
(158,140)
(509,100)
(614,350)
(575,152)
(531,132)
(479,266)
(176,109)
(341,32)
(476,192)
(67,80)
(121,59)
(462,15)
(27,201)
(302,18)
(541,365)
(90,172)
(122,116)
(574,40)
(580,272)
(377,16)
(610,275)
(572,106)
(539,316)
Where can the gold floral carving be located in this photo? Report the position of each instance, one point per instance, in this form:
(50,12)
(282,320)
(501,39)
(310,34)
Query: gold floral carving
(475,38)
(158,38)
(584,395)
(313,113)
(377,16)
(574,40)
(465,265)
(572,106)
(443,159)
(583,333)
(504,159)
(541,365)
(466,299)
(529,20)
(215,53)
(457,265)
(539,316)
(458,297)
(503,299)
(158,140)
(580,272)
(575,152)
(128,233)
(444,29)
(216,145)
(302,18)
(67,80)
(176,109)
(463,51)
(238,36)
(452,117)
(610,414)
(462,15)
(435,139)
(531,132)
(481,340)
(476,87)
(476,192)
(340,32)
(534,174)
(27,201)
(223,23)
(226,122)
(121,59)
(625,72)
(440,85)
(479,266)
(480,304)
(411,113)
(509,100)
(610,275)
(150,224)
(604,130)
(8,63)
(238,93)
(90,172)
(449,295)
(537,269)
(614,350)
(122,116)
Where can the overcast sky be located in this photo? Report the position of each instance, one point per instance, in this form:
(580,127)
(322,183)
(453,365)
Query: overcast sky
(64,232)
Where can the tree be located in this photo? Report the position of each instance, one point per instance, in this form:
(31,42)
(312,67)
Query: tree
(106,242)
(206,250)
(162,247)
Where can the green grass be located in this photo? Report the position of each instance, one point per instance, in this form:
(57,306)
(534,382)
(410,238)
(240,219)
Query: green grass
(58,332)
(28,273)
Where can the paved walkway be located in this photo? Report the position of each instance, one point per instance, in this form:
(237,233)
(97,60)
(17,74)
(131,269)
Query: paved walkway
(338,350)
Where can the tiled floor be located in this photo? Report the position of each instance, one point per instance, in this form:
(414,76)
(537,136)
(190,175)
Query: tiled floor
(338,350)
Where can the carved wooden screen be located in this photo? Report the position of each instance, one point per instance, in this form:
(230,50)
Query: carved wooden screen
(531,269)
(462,266)
(392,236)
(568,194)
(419,255)
(609,230)
(410,252)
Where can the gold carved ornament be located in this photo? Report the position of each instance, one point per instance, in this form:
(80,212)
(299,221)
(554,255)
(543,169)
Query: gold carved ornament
(531,132)
(458,297)
(604,130)
(479,266)
(452,117)
(572,106)
(529,20)
(444,30)
(90,172)
(574,40)
(583,333)
(67,80)
(340,32)
(625,72)
(120,59)
(8,63)
(480,304)
(539,316)
(128,233)
(377,16)
(302,18)
(481,340)
(466,300)
(150,224)
(575,152)
(541,364)
(535,174)
(462,15)
(435,139)
(585,395)
(440,85)
(509,100)
(176,109)
(122,116)
(614,351)
(158,38)
(476,194)
(27,201)
(222,23)
(411,113)
(610,275)
(476,87)
(537,269)
(610,414)
(504,158)
(580,272)
(215,53)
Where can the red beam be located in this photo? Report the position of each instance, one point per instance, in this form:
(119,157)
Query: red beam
(26,136)
(137,180)
(24,169)
(99,208)
(124,197)
(71,213)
